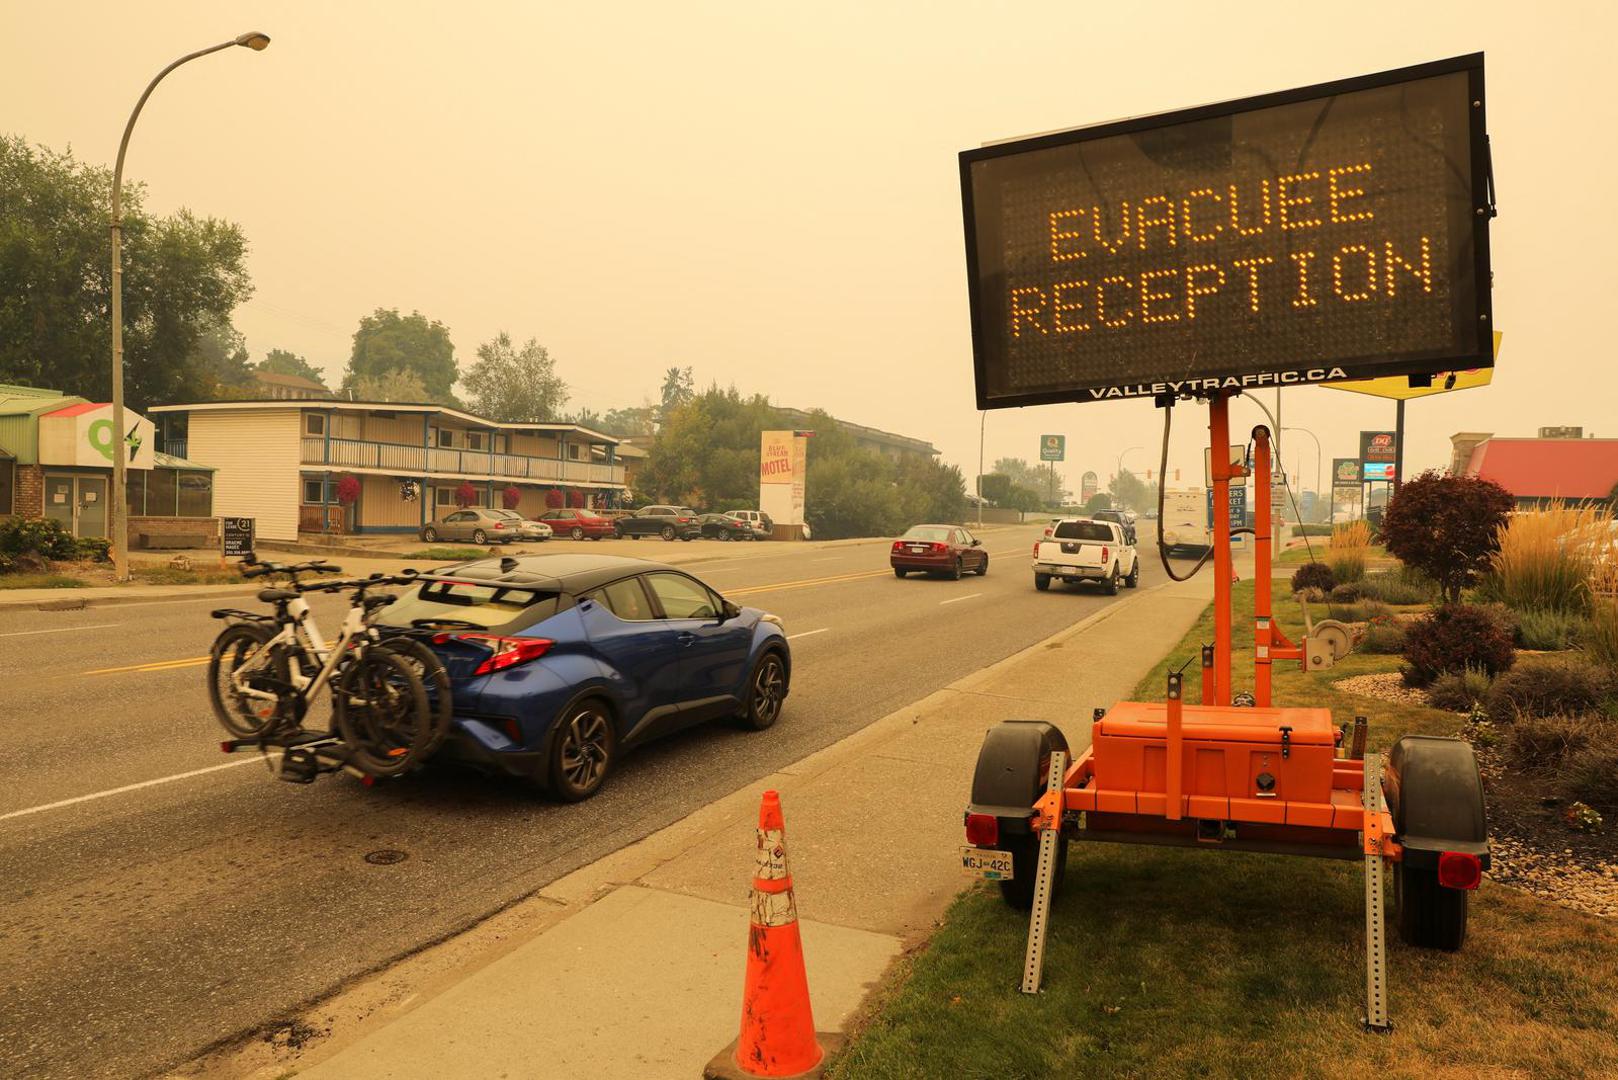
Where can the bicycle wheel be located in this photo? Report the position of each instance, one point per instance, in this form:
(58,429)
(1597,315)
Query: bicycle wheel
(435,677)
(381,710)
(241,660)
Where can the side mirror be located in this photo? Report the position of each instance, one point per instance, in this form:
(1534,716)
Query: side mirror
(976,542)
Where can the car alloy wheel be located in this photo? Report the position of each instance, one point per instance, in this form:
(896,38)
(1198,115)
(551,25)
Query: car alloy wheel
(668,532)
(766,692)
(479,536)
(429,534)
(955,573)
(584,752)
(577,533)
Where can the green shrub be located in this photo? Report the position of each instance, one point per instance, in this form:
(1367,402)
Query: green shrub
(1312,528)
(1456,637)
(1548,687)
(1384,637)
(1458,691)
(1346,593)
(1313,576)
(1590,773)
(1347,565)
(45,538)
(1364,611)
(92,548)
(1601,639)
(1546,742)
(1396,589)
(1549,630)
(1546,558)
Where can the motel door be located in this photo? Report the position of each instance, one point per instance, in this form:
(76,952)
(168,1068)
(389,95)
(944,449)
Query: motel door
(78,502)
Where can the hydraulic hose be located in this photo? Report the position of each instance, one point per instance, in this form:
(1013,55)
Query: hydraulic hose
(1163,548)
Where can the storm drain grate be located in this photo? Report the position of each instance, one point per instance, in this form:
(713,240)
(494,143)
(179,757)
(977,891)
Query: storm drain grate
(386,856)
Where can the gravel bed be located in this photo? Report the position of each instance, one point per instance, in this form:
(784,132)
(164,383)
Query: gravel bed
(1387,685)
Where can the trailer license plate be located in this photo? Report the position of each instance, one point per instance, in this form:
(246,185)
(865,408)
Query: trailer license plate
(986,864)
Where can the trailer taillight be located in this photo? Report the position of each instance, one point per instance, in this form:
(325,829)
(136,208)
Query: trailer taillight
(1459,870)
(982,830)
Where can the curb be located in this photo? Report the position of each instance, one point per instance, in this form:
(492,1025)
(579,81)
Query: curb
(69,602)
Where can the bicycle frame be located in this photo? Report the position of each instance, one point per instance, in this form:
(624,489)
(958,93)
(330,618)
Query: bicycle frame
(311,643)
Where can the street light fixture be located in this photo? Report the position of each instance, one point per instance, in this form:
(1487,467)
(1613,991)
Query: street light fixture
(1123,455)
(1318,493)
(258,42)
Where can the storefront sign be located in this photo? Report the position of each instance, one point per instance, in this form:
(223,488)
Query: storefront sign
(1345,471)
(1237,507)
(782,468)
(1088,485)
(1053,448)
(83,435)
(1378,446)
(238,534)
(1334,232)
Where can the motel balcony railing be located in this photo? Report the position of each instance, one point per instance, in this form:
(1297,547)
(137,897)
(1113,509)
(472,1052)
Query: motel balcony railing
(424,461)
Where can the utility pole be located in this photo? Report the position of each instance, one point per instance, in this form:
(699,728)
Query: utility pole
(983,420)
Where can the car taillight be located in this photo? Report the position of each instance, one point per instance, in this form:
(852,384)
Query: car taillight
(499,524)
(1048,533)
(1103,552)
(684,520)
(1459,870)
(1036,549)
(898,545)
(940,548)
(982,830)
(505,652)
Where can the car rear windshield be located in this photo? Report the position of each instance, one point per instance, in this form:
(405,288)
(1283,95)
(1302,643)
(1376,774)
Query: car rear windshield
(488,606)
(1083,530)
(928,532)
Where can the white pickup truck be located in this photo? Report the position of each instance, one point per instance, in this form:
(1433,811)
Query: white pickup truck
(1075,550)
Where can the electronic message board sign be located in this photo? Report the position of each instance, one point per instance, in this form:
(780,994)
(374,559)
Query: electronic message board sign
(1335,232)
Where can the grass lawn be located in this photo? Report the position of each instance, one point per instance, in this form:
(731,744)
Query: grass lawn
(446,554)
(39,581)
(1375,556)
(201,575)
(1168,963)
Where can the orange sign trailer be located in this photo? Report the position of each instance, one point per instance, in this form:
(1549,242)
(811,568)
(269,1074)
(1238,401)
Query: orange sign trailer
(1237,777)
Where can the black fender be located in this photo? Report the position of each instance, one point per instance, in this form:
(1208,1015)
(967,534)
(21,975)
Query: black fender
(1011,771)
(1435,796)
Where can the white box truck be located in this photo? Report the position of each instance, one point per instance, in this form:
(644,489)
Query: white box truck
(1185,519)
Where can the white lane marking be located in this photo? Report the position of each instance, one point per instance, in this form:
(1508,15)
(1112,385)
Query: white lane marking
(806,633)
(127,787)
(63,629)
(958,599)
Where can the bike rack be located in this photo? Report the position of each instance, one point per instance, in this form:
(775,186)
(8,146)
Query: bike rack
(303,757)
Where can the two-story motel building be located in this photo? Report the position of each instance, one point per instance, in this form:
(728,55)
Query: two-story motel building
(281,462)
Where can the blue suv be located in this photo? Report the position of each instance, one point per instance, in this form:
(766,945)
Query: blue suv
(560,663)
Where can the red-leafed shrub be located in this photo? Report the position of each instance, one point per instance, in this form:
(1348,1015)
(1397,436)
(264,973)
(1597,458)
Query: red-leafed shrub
(1447,527)
(510,497)
(1456,637)
(465,495)
(1313,575)
(554,499)
(348,489)
(575,499)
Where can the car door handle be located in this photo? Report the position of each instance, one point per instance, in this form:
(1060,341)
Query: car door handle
(687,637)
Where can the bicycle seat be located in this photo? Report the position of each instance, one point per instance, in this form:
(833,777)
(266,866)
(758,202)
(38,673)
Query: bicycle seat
(276,596)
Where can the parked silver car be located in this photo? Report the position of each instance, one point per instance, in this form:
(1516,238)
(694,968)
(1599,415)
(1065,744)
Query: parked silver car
(483,525)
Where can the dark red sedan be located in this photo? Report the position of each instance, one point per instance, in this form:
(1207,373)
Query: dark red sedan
(577,524)
(938,549)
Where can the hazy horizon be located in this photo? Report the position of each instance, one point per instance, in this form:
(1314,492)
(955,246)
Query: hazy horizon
(771,196)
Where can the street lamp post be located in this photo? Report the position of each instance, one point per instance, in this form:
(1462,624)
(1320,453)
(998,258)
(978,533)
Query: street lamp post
(120,503)
(1312,435)
(983,421)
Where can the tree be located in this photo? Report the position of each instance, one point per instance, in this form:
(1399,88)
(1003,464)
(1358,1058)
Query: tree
(640,420)
(1033,477)
(678,388)
(587,418)
(219,363)
(1131,492)
(1099,501)
(387,341)
(1447,527)
(282,362)
(706,453)
(396,385)
(181,275)
(515,385)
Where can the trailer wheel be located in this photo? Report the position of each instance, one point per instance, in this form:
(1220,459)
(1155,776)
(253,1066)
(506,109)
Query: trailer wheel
(1019,891)
(1430,916)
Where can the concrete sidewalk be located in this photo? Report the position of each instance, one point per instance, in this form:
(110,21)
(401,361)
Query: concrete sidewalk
(632,967)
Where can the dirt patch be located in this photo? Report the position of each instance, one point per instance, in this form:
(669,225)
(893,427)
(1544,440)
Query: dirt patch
(1386,685)
(294,1035)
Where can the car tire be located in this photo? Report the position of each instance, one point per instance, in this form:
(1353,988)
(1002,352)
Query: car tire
(1430,916)
(724,536)
(584,749)
(766,692)
(577,533)
(1111,586)
(955,571)
(900,572)
(479,537)
(1042,582)
(983,571)
(429,535)
(667,532)
(1133,580)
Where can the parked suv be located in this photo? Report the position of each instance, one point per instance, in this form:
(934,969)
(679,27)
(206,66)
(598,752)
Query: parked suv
(763,528)
(669,522)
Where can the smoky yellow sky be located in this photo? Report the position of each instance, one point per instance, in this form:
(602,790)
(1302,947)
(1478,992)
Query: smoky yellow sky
(769,192)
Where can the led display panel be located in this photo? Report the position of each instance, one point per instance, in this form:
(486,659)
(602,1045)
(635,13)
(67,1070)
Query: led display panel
(1334,232)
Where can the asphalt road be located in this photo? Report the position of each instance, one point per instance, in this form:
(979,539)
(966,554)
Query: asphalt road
(157,898)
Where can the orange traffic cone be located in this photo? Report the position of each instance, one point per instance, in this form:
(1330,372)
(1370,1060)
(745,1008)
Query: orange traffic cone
(778,1030)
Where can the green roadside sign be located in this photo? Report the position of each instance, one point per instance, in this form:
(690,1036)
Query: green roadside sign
(1053,448)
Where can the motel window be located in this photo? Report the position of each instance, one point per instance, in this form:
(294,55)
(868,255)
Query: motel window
(443,496)
(162,493)
(312,492)
(446,437)
(474,440)
(573,451)
(135,492)
(196,494)
(314,423)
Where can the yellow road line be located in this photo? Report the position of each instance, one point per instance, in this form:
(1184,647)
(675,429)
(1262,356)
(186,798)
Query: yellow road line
(155,665)
(859,576)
